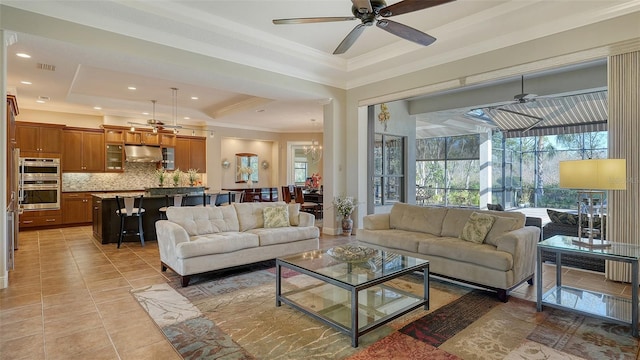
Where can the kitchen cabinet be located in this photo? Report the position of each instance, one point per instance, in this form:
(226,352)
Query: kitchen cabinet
(114,158)
(114,136)
(96,210)
(169,158)
(39,140)
(40,218)
(83,150)
(191,153)
(168,140)
(141,138)
(76,208)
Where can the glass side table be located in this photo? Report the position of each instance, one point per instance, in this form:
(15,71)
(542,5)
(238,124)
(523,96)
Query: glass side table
(591,303)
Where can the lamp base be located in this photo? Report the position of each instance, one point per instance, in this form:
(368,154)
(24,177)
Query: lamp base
(593,243)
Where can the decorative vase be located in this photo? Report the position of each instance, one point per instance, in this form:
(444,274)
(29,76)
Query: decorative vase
(249,183)
(347,225)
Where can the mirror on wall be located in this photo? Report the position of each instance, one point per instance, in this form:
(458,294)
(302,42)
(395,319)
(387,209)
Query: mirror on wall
(246,167)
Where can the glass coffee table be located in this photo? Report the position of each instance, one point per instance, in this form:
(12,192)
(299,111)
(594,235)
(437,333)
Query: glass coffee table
(592,303)
(349,287)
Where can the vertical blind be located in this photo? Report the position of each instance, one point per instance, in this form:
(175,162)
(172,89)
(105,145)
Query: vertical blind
(624,128)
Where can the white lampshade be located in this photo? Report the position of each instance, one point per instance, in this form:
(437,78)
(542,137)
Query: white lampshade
(594,174)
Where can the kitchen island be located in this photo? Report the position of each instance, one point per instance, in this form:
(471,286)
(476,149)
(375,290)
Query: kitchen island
(106,223)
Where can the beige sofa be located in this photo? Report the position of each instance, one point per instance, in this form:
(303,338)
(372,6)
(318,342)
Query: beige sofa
(200,239)
(502,260)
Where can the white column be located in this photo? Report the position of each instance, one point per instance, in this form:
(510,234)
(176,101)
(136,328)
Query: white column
(4,276)
(485,169)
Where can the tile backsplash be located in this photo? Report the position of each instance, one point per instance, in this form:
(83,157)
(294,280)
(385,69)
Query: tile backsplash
(136,176)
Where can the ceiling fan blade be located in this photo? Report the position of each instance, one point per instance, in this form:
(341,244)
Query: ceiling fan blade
(313,20)
(408,6)
(349,39)
(405,32)
(521,114)
(363,6)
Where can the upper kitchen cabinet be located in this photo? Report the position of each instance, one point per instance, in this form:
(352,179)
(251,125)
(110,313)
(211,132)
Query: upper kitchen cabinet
(83,150)
(141,138)
(113,135)
(191,153)
(39,140)
(168,140)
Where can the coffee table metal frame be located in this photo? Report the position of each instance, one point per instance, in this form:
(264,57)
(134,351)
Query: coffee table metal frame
(354,331)
(559,296)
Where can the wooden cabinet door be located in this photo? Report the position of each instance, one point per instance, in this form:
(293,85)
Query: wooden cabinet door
(198,155)
(50,140)
(150,138)
(168,140)
(93,151)
(97,217)
(28,138)
(114,136)
(72,154)
(134,138)
(182,154)
(76,208)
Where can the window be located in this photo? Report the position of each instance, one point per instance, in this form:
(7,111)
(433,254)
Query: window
(447,171)
(299,172)
(388,172)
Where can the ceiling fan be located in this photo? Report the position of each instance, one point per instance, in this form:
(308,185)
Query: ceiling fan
(154,123)
(521,98)
(376,11)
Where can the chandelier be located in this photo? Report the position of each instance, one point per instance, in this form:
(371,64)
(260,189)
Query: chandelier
(313,151)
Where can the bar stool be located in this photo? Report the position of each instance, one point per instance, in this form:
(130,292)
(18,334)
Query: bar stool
(178,200)
(127,209)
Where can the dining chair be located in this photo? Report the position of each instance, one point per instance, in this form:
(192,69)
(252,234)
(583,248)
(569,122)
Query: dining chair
(286,194)
(309,207)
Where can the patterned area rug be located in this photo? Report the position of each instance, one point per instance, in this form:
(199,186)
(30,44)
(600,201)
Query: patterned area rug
(233,316)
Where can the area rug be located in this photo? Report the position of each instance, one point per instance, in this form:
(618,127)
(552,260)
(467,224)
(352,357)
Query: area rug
(233,316)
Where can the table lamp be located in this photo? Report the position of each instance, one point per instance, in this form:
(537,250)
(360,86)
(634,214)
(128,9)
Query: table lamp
(591,178)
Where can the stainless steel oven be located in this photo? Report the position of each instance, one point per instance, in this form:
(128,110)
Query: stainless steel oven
(40,183)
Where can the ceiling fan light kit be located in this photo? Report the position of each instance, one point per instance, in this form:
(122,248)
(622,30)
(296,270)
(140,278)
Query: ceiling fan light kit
(369,13)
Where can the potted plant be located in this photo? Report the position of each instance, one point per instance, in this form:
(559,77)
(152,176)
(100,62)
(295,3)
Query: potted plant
(176,177)
(344,206)
(161,174)
(193,176)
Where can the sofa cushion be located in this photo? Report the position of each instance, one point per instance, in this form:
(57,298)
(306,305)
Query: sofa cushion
(417,218)
(198,220)
(276,216)
(454,221)
(465,251)
(294,214)
(222,243)
(477,227)
(559,217)
(250,214)
(285,235)
(394,238)
(500,226)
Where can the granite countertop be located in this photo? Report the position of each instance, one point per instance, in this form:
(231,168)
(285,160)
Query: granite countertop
(112,195)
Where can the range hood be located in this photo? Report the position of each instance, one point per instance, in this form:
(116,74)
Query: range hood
(141,153)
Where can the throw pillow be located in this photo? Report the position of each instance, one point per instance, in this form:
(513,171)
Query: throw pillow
(477,227)
(294,214)
(500,226)
(276,216)
(559,217)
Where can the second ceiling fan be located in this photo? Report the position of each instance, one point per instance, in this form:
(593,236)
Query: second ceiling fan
(371,12)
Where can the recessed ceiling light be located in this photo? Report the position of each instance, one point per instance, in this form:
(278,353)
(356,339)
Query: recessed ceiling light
(97,108)
(186,118)
(40,101)
(194,98)
(24,55)
(145,113)
(131,87)
(25,82)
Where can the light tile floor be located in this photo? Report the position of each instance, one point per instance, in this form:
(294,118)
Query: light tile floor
(69,297)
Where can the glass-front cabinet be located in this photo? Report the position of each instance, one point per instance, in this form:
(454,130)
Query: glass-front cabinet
(169,158)
(114,157)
